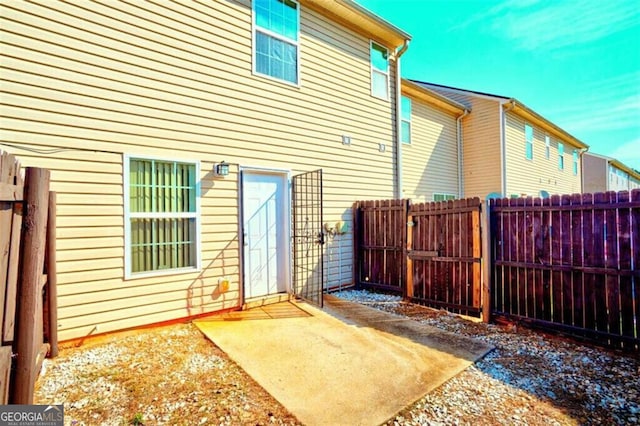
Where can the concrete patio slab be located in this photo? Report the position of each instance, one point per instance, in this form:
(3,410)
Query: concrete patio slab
(345,365)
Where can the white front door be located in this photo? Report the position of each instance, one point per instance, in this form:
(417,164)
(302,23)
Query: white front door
(264,206)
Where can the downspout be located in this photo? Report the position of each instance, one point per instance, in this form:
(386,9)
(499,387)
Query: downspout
(399,53)
(580,155)
(503,144)
(460,153)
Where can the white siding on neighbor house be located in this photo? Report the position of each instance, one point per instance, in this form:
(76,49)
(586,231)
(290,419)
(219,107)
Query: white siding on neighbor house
(430,161)
(90,82)
(529,177)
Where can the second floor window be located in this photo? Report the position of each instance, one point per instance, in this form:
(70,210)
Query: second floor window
(405,106)
(528,135)
(560,156)
(547,146)
(379,71)
(276,47)
(575,162)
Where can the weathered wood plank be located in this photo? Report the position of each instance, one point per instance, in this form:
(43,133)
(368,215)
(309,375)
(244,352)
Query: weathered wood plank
(30,298)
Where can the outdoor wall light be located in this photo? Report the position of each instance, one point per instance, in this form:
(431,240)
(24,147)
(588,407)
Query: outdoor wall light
(221,169)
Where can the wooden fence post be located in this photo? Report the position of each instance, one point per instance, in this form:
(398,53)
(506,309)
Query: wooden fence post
(486,260)
(52,281)
(27,342)
(356,244)
(476,252)
(408,293)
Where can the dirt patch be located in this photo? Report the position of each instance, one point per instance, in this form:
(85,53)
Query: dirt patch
(169,375)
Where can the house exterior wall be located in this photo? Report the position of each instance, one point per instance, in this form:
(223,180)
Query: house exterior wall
(430,161)
(85,84)
(620,180)
(529,177)
(481,148)
(595,173)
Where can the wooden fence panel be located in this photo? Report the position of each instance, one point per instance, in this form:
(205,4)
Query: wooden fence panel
(22,283)
(570,263)
(380,244)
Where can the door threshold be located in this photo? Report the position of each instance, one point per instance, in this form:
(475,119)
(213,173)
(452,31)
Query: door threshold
(270,299)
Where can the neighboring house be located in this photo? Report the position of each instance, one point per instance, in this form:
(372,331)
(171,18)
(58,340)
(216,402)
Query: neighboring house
(511,150)
(133,107)
(431,139)
(601,173)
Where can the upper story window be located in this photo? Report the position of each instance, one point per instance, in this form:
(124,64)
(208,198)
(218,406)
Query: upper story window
(276,47)
(405,107)
(379,71)
(575,162)
(560,156)
(528,135)
(161,216)
(547,146)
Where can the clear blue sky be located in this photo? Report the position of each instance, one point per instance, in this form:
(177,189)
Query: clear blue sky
(575,62)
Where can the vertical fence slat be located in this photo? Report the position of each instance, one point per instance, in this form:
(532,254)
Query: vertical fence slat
(611,261)
(589,279)
(626,282)
(577,254)
(29,289)
(599,286)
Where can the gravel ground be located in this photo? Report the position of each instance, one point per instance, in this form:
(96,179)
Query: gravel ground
(173,375)
(529,379)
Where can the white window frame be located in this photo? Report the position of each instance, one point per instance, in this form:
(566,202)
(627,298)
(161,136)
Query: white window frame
(528,147)
(445,195)
(404,120)
(560,156)
(547,146)
(128,216)
(257,28)
(376,70)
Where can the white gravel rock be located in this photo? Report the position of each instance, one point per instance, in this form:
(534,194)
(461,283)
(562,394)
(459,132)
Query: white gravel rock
(529,379)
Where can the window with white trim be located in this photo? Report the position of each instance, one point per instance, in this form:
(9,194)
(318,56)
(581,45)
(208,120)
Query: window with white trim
(276,47)
(405,108)
(379,71)
(547,146)
(161,215)
(560,156)
(443,197)
(528,135)
(575,162)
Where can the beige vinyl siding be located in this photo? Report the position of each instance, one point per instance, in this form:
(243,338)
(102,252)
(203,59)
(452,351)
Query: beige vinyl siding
(430,162)
(529,177)
(90,82)
(481,148)
(595,173)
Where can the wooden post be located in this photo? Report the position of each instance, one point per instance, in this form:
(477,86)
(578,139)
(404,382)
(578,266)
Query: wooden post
(52,281)
(409,273)
(477,253)
(356,249)
(27,342)
(486,261)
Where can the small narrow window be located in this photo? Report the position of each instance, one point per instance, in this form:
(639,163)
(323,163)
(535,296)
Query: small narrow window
(379,71)
(547,146)
(405,107)
(528,134)
(161,215)
(443,197)
(560,156)
(276,49)
(575,162)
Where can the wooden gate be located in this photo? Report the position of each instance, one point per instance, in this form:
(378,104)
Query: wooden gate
(444,255)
